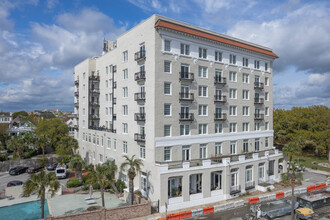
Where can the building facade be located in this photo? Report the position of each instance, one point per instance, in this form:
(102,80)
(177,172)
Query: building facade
(196,106)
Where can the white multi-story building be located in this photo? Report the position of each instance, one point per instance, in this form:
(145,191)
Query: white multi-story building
(196,106)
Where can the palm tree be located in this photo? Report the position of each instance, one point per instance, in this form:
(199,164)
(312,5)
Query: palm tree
(134,167)
(77,163)
(41,142)
(66,146)
(291,150)
(38,183)
(16,144)
(112,169)
(100,176)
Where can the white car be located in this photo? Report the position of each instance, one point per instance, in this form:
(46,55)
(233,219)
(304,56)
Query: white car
(298,167)
(60,171)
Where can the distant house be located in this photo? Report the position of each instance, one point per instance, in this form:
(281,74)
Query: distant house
(70,123)
(23,126)
(5,119)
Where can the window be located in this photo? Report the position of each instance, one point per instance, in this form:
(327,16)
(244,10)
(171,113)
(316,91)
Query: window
(125,110)
(101,158)
(245,146)
(232,127)
(245,110)
(271,167)
(167,130)
(83,136)
(232,110)
(245,95)
(106,97)
(202,129)
(257,144)
(266,66)
(202,91)
(115,144)
(232,59)
(184,49)
(125,92)
(245,62)
(267,111)
(202,151)
(125,128)
(106,83)
(266,81)
(89,138)
(245,126)
(266,96)
(167,153)
(125,56)
(202,53)
(167,66)
(102,141)
(167,45)
(202,110)
(84,75)
(202,72)
(84,111)
(218,56)
(266,125)
(94,139)
(125,74)
(245,78)
(185,153)
(232,93)
(218,149)
(232,147)
(218,128)
(108,143)
(144,181)
(185,129)
(266,142)
(232,76)
(257,126)
(125,147)
(167,109)
(248,174)
(142,152)
(256,64)
(167,88)
(110,111)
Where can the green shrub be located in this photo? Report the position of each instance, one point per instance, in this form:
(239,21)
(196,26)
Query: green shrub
(314,167)
(3,157)
(285,178)
(120,185)
(96,186)
(138,192)
(84,179)
(29,154)
(89,167)
(73,183)
(85,187)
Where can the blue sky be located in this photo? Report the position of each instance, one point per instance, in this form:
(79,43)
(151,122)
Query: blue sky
(42,40)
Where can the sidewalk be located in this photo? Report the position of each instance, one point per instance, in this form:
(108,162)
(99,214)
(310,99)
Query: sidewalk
(245,198)
(318,172)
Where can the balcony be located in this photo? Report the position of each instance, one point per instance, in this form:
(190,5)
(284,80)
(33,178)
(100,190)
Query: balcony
(114,85)
(114,101)
(97,104)
(96,91)
(76,82)
(220,99)
(235,189)
(76,115)
(258,116)
(140,76)
(76,127)
(103,128)
(94,78)
(258,85)
(140,96)
(76,93)
(185,96)
(186,117)
(76,105)
(220,117)
(139,137)
(220,81)
(140,55)
(186,76)
(114,117)
(94,117)
(139,116)
(258,101)
(249,185)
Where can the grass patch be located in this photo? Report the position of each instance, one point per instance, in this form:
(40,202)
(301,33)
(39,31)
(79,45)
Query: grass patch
(307,161)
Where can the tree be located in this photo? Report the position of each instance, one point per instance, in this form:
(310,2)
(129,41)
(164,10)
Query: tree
(42,142)
(54,129)
(77,163)
(20,113)
(292,150)
(112,170)
(66,146)
(17,145)
(38,183)
(100,176)
(4,136)
(134,167)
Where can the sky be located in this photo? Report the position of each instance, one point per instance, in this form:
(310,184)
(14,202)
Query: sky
(42,40)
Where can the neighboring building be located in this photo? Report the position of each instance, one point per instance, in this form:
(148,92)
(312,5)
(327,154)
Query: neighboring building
(23,126)
(5,119)
(71,124)
(196,106)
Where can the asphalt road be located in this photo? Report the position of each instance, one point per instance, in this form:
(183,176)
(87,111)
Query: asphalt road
(5,178)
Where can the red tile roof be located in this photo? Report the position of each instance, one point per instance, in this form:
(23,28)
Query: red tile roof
(187,30)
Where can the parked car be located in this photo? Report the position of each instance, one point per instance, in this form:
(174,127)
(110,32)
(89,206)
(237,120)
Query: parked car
(14,183)
(34,169)
(61,171)
(298,166)
(17,170)
(51,166)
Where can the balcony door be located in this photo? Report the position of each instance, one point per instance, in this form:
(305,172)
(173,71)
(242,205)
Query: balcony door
(184,71)
(185,110)
(218,93)
(257,112)
(184,91)
(234,178)
(261,173)
(257,80)
(142,130)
